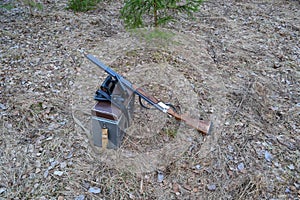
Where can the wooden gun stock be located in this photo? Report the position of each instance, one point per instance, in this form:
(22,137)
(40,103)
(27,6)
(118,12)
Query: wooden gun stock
(204,126)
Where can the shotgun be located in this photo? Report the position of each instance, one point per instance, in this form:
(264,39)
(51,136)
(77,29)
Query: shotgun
(203,126)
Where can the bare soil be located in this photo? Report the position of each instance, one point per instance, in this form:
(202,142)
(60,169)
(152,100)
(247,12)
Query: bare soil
(236,63)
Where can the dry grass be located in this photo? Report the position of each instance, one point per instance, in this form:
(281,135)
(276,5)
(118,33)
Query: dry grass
(237,64)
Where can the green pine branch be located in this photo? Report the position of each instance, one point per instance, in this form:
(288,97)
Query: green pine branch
(161,11)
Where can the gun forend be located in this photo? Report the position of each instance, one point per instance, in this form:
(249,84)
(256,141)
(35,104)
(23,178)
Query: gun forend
(203,126)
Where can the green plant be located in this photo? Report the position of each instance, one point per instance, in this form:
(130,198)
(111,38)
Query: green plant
(33,5)
(152,35)
(7,6)
(161,11)
(30,4)
(82,5)
(171,133)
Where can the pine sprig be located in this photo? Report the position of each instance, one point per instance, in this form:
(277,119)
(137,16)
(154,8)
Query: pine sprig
(161,11)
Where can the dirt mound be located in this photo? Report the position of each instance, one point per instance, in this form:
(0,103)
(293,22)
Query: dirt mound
(172,76)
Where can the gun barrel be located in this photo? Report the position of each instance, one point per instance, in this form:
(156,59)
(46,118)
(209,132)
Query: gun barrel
(110,71)
(101,65)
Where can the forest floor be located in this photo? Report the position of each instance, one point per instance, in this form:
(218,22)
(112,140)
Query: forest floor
(237,63)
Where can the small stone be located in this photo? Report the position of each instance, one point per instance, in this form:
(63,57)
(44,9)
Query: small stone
(30,148)
(94,190)
(198,166)
(287,190)
(2,190)
(49,138)
(36,185)
(70,155)
(187,187)
(268,156)
(241,167)
(38,164)
(53,126)
(195,189)
(37,170)
(291,167)
(279,178)
(80,197)
(18,164)
(147,177)
(131,196)
(230,173)
(160,177)
(52,164)
(239,124)
(58,173)
(86,184)
(60,198)
(230,148)
(293,188)
(46,173)
(276,65)
(176,188)
(63,165)
(70,164)
(2,106)
(211,187)
(9,126)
